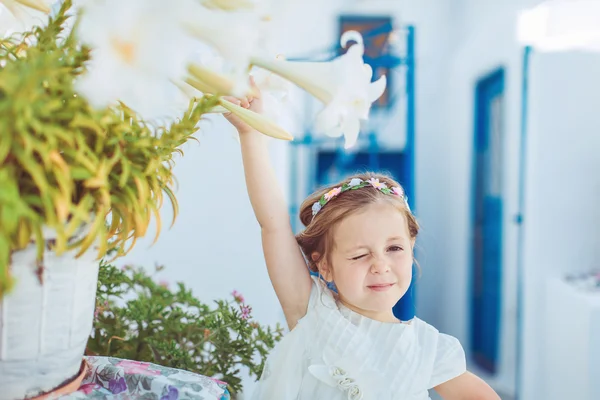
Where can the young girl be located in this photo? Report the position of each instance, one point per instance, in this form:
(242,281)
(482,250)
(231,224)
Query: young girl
(347,344)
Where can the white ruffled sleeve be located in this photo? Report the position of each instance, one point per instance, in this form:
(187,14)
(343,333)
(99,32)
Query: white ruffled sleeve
(449,361)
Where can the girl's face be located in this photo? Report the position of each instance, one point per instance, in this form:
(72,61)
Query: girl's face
(371,260)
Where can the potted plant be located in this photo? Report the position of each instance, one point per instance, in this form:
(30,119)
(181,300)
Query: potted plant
(65,168)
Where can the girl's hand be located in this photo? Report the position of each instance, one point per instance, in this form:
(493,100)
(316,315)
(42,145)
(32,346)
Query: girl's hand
(252,103)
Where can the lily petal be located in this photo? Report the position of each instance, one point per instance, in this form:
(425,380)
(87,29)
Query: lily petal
(39,5)
(314,77)
(22,15)
(351,129)
(368,71)
(329,121)
(139,49)
(377,88)
(352,36)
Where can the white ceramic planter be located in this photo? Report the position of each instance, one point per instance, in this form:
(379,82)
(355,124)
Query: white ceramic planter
(44,328)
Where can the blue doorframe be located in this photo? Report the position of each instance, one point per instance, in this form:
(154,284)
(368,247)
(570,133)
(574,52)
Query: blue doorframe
(487,217)
(527,51)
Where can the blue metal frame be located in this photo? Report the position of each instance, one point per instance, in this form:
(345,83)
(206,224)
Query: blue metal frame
(405,309)
(485,345)
(527,51)
(410,114)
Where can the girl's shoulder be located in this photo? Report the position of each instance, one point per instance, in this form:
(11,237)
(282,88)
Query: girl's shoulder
(444,350)
(429,334)
(320,301)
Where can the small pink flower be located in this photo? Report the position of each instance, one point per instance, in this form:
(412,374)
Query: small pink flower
(246,312)
(398,191)
(332,193)
(136,367)
(237,296)
(163,283)
(376,184)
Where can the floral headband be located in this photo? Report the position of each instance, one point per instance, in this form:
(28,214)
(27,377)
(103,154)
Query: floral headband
(354,184)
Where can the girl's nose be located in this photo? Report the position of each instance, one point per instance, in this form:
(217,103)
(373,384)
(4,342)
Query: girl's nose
(379,265)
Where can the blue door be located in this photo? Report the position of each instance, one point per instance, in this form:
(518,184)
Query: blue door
(332,166)
(487,221)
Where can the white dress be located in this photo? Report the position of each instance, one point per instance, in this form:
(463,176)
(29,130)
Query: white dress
(336,354)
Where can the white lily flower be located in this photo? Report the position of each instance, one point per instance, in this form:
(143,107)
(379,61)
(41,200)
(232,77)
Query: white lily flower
(274,94)
(234,35)
(271,83)
(343,85)
(22,15)
(138,48)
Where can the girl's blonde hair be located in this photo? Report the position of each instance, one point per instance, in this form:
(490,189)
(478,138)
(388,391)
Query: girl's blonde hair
(317,237)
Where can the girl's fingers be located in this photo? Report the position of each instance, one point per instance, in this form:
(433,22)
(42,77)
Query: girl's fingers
(233,100)
(254,87)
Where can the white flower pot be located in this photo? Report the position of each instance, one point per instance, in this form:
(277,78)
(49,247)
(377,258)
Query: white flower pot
(44,328)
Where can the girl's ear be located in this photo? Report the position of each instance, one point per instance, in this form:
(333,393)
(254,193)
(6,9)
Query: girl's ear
(323,267)
(315,256)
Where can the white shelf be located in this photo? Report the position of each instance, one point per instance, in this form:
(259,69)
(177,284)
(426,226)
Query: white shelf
(572,342)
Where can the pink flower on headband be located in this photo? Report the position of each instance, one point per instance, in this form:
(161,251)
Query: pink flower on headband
(398,191)
(332,193)
(376,184)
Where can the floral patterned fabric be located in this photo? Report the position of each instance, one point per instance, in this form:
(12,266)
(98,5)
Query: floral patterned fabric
(113,378)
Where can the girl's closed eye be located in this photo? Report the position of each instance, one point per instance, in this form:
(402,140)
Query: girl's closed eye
(359,257)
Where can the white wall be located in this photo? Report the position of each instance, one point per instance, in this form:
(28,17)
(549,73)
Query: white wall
(562,225)
(560,178)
